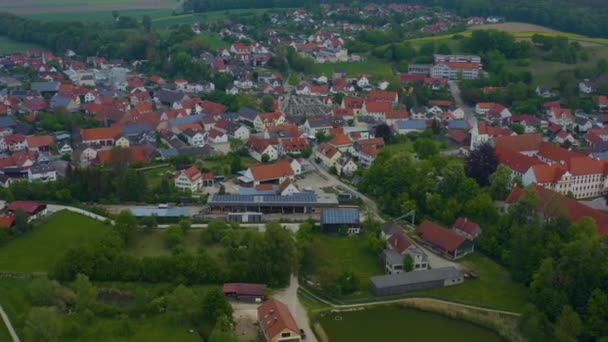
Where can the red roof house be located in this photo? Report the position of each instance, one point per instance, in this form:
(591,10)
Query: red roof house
(276,321)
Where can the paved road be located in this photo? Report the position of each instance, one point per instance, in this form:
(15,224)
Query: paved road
(456,94)
(289,296)
(9,326)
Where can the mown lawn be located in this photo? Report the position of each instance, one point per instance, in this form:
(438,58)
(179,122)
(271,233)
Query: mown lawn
(155,176)
(39,249)
(494,288)
(7,45)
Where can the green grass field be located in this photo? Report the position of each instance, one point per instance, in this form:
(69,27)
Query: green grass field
(378,69)
(392,323)
(39,249)
(350,254)
(155,176)
(494,288)
(8,45)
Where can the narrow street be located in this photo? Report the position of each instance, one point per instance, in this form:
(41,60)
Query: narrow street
(289,296)
(469,113)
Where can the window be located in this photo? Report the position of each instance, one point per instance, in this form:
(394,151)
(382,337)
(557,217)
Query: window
(286,334)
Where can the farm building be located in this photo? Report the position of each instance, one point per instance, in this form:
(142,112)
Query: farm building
(299,203)
(161,212)
(245,217)
(444,240)
(335,219)
(395,284)
(245,291)
(33,210)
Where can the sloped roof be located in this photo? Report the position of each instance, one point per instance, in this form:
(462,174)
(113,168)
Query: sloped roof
(515,160)
(519,143)
(440,236)
(466,225)
(102,133)
(39,140)
(279,169)
(274,317)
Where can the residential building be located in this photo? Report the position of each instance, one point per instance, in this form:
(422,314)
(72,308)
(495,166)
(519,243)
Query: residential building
(396,284)
(189,179)
(327,154)
(275,173)
(277,323)
(466,228)
(33,210)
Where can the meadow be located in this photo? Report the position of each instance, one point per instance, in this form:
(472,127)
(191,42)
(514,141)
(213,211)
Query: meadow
(39,249)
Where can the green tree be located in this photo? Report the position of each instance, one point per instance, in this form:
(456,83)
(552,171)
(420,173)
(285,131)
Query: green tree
(86,293)
(215,305)
(597,314)
(265,158)
(21,222)
(568,325)
(267,103)
(42,291)
(185,223)
(42,324)
(425,148)
(183,305)
(481,163)
(408,263)
(444,49)
(500,183)
(125,225)
(174,237)
(149,222)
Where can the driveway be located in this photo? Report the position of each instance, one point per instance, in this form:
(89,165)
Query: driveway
(456,94)
(289,296)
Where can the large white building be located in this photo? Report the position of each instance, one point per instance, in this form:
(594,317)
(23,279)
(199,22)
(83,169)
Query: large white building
(451,66)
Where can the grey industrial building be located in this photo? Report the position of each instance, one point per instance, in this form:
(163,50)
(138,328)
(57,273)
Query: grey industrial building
(300,203)
(395,284)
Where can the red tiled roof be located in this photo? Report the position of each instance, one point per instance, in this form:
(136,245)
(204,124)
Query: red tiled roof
(466,225)
(353,102)
(340,140)
(274,317)
(192,173)
(208,176)
(519,143)
(439,236)
(399,242)
(382,95)
(566,207)
(103,133)
(39,140)
(6,221)
(270,116)
(377,106)
(515,160)
(458,135)
(137,155)
(548,173)
(279,169)
(327,150)
(397,114)
(28,207)
(440,103)
(246,289)
(213,108)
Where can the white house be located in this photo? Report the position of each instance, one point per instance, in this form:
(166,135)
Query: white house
(194,138)
(363,82)
(345,166)
(189,179)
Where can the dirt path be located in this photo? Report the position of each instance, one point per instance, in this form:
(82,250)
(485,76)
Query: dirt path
(9,326)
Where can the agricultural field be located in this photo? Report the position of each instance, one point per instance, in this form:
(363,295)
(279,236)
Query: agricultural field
(39,249)
(494,288)
(392,323)
(8,45)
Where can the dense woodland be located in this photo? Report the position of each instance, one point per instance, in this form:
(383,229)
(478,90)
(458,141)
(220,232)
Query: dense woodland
(578,16)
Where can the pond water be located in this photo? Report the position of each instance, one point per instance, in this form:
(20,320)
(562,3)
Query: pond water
(393,323)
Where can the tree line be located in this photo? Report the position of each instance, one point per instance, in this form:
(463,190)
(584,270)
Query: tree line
(267,258)
(577,16)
